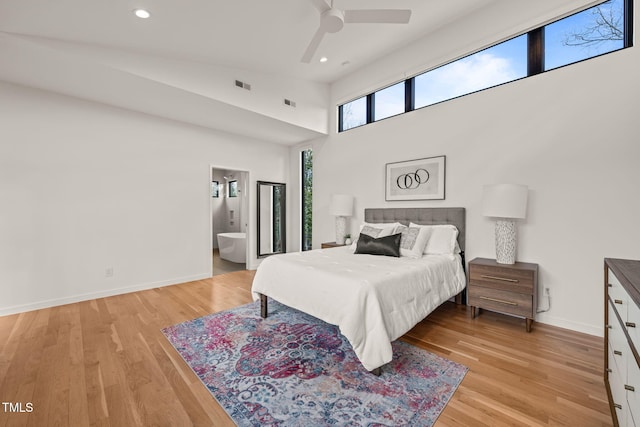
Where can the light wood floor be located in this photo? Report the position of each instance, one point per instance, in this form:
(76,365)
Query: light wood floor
(105,362)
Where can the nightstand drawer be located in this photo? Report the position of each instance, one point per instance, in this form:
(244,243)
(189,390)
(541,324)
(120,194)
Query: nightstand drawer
(512,280)
(505,288)
(516,303)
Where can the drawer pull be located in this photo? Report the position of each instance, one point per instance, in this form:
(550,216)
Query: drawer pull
(504,279)
(630,324)
(610,285)
(499,300)
(629,388)
(617,406)
(609,370)
(609,327)
(617,352)
(617,301)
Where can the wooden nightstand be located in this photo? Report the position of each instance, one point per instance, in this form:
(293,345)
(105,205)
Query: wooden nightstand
(327,245)
(510,289)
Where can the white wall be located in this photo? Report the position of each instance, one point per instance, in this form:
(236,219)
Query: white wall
(570,135)
(190,92)
(85,187)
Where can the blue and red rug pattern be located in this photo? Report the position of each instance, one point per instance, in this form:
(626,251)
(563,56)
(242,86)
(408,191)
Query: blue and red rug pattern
(292,369)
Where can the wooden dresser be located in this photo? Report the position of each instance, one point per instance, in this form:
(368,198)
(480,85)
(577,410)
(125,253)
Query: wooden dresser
(622,339)
(505,288)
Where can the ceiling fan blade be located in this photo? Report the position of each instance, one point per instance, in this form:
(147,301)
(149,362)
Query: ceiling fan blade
(377,16)
(321,5)
(313,46)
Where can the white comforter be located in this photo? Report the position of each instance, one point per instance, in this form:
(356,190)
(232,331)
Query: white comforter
(372,299)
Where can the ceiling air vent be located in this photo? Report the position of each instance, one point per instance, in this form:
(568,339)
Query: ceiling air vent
(290,103)
(243,85)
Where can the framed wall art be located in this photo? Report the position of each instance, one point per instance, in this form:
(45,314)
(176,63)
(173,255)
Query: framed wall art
(421,179)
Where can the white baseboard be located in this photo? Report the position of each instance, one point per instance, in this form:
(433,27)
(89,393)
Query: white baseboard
(101,294)
(542,317)
(567,324)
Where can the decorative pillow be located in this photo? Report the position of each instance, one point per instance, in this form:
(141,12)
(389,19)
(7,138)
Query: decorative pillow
(377,230)
(371,231)
(387,245)
(443,239)
(413,242)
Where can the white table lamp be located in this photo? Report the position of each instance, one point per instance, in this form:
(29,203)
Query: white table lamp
(506,202)
(341,206)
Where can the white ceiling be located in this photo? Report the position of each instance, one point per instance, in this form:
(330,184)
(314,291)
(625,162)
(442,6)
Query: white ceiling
(98,50)
(263,35)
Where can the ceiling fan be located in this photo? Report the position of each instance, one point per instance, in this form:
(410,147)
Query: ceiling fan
(333,19)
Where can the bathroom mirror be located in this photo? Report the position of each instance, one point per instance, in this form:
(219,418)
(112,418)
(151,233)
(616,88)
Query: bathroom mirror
(272,222)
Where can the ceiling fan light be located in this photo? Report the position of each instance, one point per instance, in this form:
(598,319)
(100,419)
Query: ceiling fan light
(142,13)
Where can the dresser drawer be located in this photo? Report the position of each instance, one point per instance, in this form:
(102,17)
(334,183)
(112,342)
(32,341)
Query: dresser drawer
(616,290)
(502,278)
(621,305)
(619,345)
(515,303)
(618,394)
(633,324)
(633,397)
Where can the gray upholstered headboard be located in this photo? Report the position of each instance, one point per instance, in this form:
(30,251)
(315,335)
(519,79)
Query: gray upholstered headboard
(424,216)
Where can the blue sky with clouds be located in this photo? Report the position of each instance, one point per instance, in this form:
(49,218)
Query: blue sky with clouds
(499,64)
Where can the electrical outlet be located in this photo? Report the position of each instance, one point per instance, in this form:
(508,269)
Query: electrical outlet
(108,272)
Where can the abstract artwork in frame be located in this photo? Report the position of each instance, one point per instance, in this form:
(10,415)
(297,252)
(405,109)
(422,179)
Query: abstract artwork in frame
(215,189)
(421,179)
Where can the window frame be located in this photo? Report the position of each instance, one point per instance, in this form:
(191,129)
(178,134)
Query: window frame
(304,203)
(535,66)
(373,101)
(462,59)
(367,113)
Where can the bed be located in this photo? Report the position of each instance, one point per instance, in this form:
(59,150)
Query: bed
(372,299)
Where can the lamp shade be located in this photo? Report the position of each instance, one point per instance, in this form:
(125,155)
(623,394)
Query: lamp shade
(505,200)
(341,205)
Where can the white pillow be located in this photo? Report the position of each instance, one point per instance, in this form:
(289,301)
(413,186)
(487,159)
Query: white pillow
(443,239)
(413,241)
(376,230)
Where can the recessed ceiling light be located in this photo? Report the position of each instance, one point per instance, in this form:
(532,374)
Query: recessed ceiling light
(324,59)
(141,13)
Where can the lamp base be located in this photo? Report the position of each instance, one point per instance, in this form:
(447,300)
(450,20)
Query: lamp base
(341,229)
(505,241)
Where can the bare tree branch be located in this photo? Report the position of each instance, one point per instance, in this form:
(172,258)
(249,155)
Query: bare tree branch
(607,25)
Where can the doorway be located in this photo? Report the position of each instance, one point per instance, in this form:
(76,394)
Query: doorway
(229,220)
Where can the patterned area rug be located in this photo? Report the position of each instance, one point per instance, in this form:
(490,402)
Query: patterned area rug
(292,369)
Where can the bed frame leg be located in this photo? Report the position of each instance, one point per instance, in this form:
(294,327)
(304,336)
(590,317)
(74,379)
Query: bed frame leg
(461,298)
(377,371)
(263,306)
